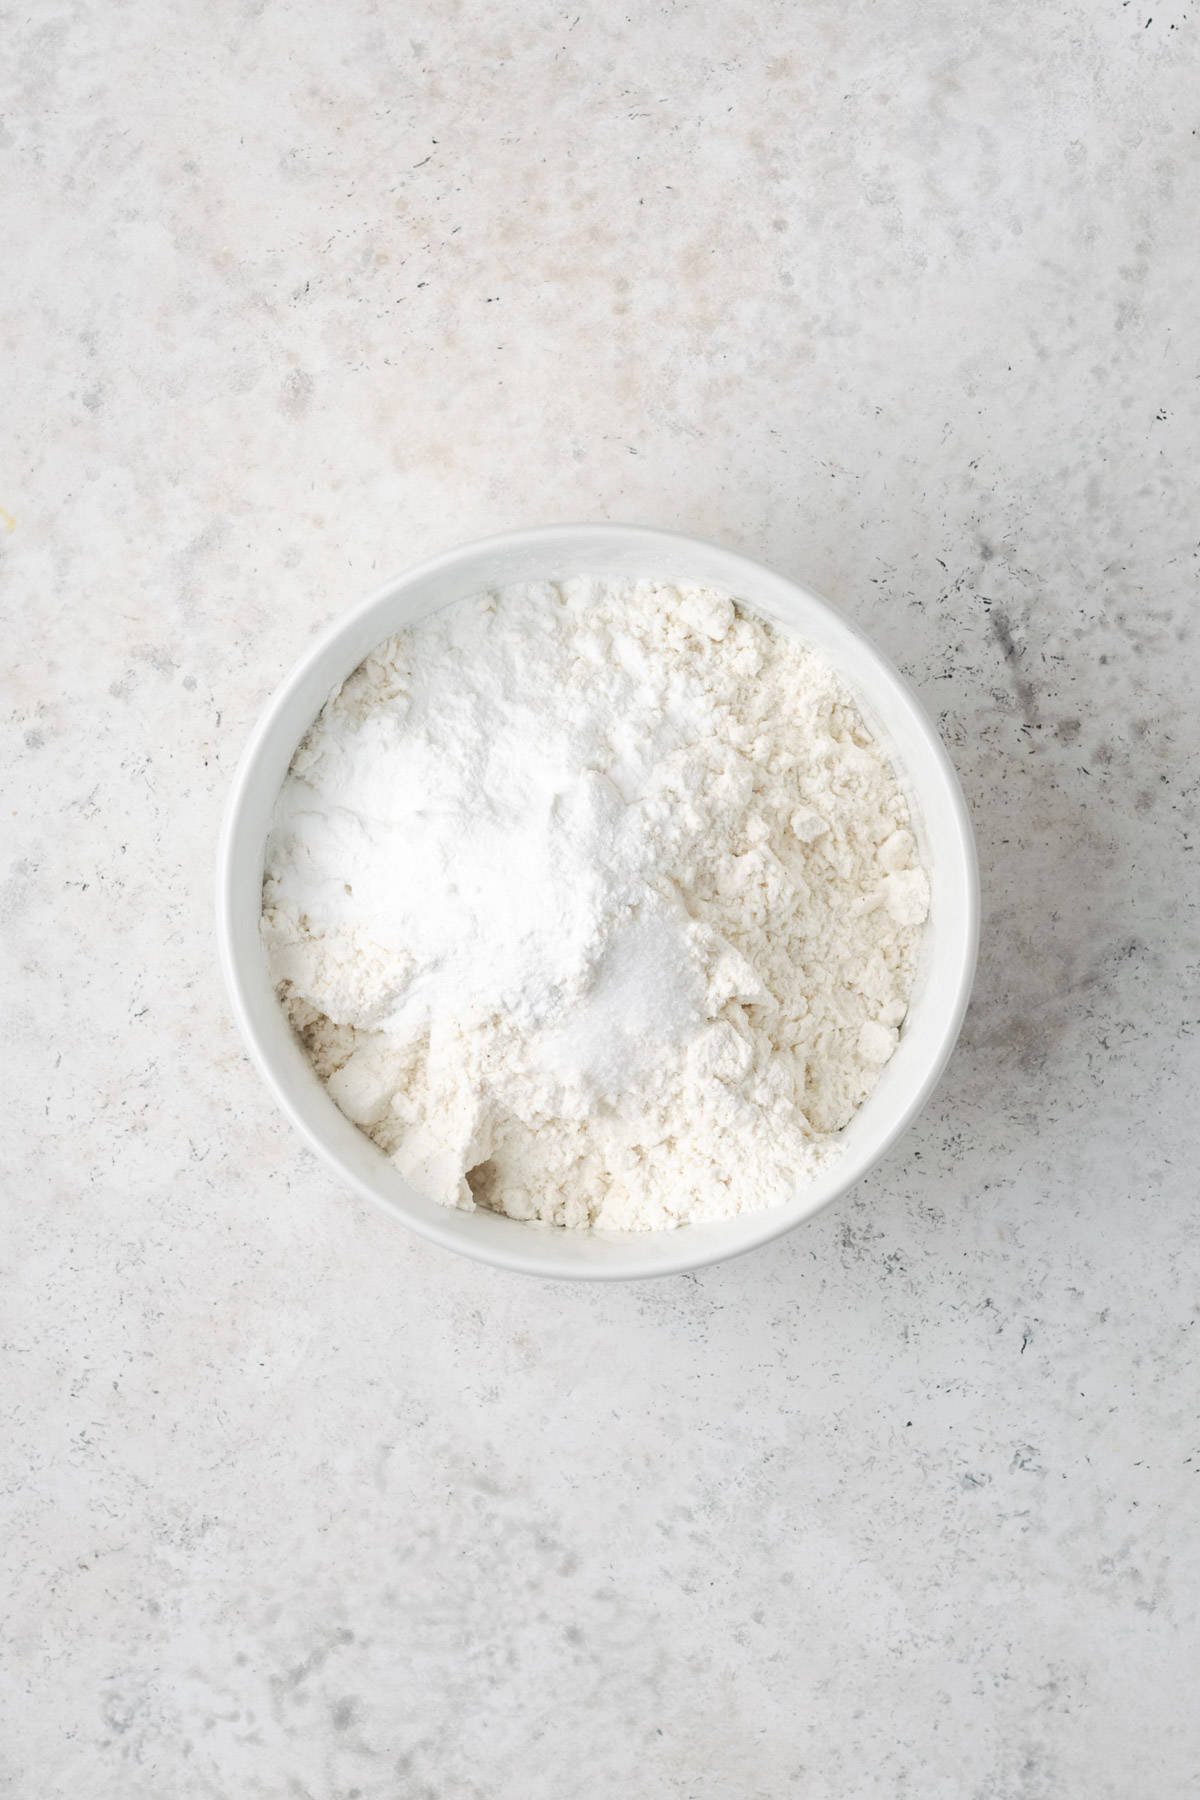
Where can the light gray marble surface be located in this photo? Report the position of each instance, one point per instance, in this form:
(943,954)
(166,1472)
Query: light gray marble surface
(900,297)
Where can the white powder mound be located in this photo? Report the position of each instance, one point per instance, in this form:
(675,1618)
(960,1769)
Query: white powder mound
(595,903)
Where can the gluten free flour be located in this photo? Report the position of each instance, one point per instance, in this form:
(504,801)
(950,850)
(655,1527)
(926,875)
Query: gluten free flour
(595,903)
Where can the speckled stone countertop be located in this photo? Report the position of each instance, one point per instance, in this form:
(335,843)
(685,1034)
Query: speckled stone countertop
(900,297)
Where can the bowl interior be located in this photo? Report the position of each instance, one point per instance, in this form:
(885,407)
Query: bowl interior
(940,822)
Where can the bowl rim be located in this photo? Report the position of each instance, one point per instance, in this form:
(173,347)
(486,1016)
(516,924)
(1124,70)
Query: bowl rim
(523,1257)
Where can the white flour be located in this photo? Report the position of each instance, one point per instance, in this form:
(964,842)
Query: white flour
(595,903)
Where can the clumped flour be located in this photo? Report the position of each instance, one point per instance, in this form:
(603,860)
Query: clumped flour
(595,903)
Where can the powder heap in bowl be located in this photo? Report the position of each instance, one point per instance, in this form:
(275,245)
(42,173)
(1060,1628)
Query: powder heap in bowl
(594,902)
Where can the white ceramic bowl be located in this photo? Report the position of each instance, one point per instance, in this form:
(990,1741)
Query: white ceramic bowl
(940,820)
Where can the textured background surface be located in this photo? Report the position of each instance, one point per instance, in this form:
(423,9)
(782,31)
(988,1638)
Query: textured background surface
(900,297)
